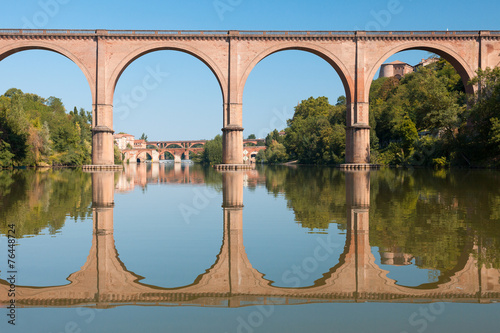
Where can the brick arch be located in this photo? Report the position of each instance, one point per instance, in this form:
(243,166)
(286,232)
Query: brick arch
(166,150)
(461,66)
(45,46)
(197,143)
(174,144)
(317,50)
(143,154)
(172,46)
(129,155)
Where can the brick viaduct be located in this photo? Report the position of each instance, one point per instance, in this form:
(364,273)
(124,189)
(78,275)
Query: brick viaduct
(134,155)
(104,281)
(179,149)
(103,55)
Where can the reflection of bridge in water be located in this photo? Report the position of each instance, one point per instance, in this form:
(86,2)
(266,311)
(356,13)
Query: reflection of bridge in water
(104,281)
(142,174)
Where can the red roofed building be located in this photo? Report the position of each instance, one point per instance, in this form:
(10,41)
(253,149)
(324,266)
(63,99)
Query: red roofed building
(122,140)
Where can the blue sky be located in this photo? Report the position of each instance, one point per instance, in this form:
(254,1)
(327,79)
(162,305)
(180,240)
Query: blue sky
(277,84)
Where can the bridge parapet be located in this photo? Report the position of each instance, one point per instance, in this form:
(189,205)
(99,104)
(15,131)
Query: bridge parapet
(242,33)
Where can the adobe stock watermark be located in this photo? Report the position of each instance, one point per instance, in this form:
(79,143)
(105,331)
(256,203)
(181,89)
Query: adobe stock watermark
(322,252)
(48,10)
(382,18)
(201,200)
(278,121)
(223,6)
(420,319)
(292,277)
(126,102)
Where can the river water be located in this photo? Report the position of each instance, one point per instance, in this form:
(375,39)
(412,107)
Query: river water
(179,248)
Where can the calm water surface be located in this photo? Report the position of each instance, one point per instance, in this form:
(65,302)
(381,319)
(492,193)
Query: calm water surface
(179,248)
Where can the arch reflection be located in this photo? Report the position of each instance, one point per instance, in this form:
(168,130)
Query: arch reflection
(231,281)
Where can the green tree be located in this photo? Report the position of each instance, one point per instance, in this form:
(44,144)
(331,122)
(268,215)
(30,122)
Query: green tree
(251,136)
(342,100)
(144,137)
(316,133)
(5,154)
(117,154)
(408,133)
(430,101)
(273,136)
(275,153)
(213,151)
(38,131)
(481,138)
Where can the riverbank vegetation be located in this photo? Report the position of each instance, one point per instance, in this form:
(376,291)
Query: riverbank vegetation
(41,202)
(212,154)
(422,119)
(35,131)
(433,224)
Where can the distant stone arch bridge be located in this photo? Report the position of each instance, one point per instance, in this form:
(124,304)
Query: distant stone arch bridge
(158,154)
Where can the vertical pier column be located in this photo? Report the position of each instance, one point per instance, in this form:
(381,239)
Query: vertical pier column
(232,144)
(232,132)
(102,135)
(358,128)
(102,110)
(358,220)
(358,138)
(232,204)
(102,206)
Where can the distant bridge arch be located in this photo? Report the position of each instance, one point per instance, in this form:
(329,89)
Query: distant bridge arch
(143,156)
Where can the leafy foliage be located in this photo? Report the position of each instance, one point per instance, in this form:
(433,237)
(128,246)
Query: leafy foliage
(427,103)
(436,216)
(43,201)
(213,151)
(316,195)
(38,131)
(481,138)
(316,133)
(275,151)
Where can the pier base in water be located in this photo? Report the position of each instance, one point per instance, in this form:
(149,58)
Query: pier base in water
(359,166)
(234,166)
(102,167)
